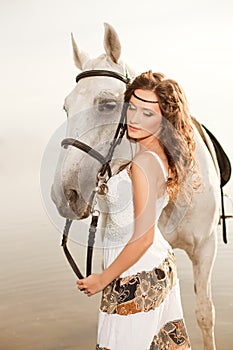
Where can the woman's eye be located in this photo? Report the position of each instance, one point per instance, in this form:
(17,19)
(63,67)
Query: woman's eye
(148,114)
(131,107)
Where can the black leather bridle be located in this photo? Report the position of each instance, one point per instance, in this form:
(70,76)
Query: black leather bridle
(105,168)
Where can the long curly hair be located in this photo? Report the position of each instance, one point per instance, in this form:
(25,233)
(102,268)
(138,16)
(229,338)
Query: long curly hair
(176,135)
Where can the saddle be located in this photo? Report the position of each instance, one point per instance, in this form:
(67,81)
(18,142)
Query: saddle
(223,163)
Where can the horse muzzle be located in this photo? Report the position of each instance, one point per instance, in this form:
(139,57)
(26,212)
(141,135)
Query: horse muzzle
(71,204)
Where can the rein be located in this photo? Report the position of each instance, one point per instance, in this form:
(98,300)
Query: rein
(100,178)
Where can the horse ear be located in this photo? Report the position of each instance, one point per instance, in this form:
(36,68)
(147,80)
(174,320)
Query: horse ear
(80,57)
(112,43)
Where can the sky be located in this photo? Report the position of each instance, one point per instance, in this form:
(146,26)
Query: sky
(189,41)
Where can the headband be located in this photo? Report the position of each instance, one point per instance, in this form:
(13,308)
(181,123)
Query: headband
(142,99)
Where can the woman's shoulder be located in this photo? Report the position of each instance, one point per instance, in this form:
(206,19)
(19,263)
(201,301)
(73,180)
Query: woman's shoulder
(150,161)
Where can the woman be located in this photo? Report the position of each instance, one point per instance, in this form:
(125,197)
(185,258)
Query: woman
(141,307)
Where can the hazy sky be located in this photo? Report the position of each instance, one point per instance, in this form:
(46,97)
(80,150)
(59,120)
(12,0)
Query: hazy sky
(190,41)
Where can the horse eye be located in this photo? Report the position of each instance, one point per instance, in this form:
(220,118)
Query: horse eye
(106,106)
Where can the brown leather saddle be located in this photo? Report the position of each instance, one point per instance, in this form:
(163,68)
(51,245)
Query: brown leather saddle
(223,164)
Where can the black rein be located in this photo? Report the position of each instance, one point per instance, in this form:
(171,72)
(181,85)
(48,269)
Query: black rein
(105,162)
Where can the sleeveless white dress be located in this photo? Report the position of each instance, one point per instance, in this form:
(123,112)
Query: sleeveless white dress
(140,310)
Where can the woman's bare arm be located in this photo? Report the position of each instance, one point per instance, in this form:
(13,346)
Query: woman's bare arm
(148,184)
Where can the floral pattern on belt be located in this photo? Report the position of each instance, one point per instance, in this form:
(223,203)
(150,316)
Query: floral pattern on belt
(173,336)
(143,291)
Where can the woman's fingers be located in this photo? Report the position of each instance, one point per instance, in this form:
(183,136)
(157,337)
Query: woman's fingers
(86,285)
(81,285)
(86,291)
(83,288)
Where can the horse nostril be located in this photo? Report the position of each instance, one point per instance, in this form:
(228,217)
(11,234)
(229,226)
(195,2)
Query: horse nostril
(71,195)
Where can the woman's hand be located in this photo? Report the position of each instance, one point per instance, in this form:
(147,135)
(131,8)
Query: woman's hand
(91,284)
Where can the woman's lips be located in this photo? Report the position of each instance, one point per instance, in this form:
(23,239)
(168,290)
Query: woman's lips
(132,128)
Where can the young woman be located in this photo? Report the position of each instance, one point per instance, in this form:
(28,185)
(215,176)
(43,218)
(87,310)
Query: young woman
(141,307)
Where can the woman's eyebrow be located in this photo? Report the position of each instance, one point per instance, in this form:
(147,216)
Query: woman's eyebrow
(155,113)
(143,108)
(148,109)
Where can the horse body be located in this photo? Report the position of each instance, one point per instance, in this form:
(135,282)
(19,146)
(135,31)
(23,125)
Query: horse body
(93,110)
(194,229)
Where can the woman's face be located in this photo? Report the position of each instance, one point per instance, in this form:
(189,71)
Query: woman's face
(143,117)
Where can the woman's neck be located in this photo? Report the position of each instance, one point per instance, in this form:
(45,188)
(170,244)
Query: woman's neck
(149,144)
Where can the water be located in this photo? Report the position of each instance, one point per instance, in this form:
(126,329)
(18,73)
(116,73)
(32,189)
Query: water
(41,309)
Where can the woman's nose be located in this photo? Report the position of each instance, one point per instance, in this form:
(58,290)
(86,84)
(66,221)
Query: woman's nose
(134,117)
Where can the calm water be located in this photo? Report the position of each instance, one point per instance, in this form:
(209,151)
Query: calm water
(41,308)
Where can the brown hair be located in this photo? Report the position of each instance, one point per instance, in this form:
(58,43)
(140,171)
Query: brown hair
(176,136)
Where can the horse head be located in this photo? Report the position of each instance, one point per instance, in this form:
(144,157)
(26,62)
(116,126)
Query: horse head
(93,112)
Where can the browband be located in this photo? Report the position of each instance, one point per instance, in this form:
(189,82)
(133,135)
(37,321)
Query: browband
(142,99)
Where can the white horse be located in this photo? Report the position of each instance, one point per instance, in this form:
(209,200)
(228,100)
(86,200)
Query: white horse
(192,229)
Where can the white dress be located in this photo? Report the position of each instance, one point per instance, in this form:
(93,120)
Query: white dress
(140,310)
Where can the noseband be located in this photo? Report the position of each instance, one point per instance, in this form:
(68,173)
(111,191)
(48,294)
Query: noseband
(105,168)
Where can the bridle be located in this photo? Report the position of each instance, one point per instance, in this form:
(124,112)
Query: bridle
(100,178)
